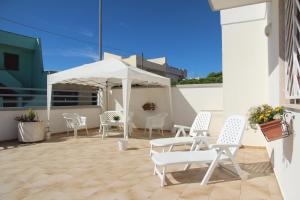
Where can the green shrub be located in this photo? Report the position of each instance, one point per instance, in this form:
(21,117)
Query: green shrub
(214,77)
(29,117)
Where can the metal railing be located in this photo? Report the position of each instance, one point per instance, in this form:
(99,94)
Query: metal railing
(292,53)
(33,97)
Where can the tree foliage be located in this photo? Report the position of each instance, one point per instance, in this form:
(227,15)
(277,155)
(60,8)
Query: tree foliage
(213,77)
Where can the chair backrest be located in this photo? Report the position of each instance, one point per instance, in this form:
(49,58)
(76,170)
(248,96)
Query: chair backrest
(71,119)
(232,132)
(109,116)
(157,121)
(201,122)
(81,119)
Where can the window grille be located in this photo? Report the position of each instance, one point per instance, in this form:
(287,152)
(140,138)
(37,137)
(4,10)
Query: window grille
(292,50)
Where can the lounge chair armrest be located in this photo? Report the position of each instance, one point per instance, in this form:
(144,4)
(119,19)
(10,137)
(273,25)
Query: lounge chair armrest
(201,132)
(205,139)
(181,130)
(181,126)
(222,146)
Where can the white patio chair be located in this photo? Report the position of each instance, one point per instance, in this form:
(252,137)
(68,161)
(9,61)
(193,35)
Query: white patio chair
(75,121)
(107,120)
(155,122)
(201,124)
(225,149)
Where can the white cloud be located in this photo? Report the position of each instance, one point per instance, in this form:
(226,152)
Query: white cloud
(82,52)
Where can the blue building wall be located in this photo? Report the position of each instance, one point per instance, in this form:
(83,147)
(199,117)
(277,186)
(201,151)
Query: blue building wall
(31,72)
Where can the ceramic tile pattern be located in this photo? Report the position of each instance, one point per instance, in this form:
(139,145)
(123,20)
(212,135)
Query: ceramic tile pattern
(91,168)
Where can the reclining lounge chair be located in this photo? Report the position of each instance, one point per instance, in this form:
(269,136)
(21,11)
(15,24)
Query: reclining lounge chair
(224,150)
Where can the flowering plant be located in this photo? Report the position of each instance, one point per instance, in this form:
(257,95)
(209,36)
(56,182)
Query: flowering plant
(263,114)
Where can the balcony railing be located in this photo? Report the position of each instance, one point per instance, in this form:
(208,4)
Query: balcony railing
(33,97)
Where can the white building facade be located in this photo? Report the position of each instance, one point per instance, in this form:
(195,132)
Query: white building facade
(158,66)
(260,48)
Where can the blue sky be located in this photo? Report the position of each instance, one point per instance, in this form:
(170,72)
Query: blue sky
(187,32)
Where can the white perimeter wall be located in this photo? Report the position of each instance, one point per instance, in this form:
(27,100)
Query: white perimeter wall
(8,126)
(188,100)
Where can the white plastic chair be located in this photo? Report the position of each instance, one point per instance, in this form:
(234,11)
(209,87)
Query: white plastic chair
(225,149)
(201,125)
(107,120)
(155,122)
(75,121)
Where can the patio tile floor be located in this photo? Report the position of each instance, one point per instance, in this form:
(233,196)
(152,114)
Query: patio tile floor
(91,168)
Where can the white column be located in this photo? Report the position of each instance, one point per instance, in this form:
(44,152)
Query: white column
(49,97)
(171,107)
(126,89)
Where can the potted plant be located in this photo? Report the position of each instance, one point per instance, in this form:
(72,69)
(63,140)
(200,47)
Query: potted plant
(30,128)
(116,118)
(269,120)
(149,106)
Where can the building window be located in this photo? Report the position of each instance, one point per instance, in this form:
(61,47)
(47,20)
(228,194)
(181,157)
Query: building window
(11,61)
(65,98)
(292,51)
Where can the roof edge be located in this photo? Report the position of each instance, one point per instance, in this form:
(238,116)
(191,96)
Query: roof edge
(217,5)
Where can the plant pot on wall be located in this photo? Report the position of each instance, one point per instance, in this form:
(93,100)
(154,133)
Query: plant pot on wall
(31,131)
(30,128)
(272,130)
(269,119)
(149,106)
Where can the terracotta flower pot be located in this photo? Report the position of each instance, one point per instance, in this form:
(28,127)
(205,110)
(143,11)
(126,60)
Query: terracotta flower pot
(272,130)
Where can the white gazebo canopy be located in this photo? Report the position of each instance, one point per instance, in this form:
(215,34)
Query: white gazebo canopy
(112,71)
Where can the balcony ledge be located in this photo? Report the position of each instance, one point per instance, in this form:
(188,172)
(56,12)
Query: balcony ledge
(217,5)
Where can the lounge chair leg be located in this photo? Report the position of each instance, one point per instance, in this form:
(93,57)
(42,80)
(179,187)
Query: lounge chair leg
(75,133)
(236,166)
(171,147)
(162,184)
(211,169)
(154,171)
(87,132)
(187,166)
(151,147)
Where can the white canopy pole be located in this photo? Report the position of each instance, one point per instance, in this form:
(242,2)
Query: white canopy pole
(126,89)
(106,95)
(49,97)
(171,106)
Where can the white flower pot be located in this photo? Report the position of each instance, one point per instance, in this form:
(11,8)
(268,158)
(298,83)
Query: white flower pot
(31,131)
(122,144)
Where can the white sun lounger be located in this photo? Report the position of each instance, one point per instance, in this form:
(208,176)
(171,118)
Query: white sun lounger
(199,127)
(224,150)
